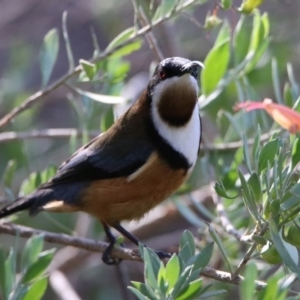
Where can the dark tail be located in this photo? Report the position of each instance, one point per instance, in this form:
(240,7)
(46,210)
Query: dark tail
(18,205)
(33,202)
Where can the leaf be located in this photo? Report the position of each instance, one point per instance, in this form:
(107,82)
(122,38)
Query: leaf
(121,38)
(241,41)
(215,64)
(281,248)
(39,266)
(188,238)
(218,241)
(221,191)
(246,154)
(98,97)
(9,274)
(254,184)
(185,253)
(149,274)
(295,152)
(9,172)
(203,258)
(48,55)
(88,68)
(191,290)
(267,154)
(249,6)
(31,251)
(37,290)
(137,293)
(226,4)
(164,9)
(247,286)
(276,81)
(107,120)
(172,271)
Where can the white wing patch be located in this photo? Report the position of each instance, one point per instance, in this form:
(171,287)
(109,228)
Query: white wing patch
(184,139)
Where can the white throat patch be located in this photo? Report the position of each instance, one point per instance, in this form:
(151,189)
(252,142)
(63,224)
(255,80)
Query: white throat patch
(184,139)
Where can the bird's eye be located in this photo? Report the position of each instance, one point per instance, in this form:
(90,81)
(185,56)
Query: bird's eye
(162,74)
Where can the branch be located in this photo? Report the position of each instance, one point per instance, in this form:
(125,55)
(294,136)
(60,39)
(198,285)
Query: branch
(96,246)
(30,101)
(225,222)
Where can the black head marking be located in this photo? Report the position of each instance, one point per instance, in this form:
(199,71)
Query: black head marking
(174,66)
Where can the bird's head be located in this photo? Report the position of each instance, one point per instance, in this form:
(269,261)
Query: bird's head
(173,90)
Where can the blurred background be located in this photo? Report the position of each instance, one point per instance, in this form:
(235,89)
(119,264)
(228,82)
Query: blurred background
(23,26)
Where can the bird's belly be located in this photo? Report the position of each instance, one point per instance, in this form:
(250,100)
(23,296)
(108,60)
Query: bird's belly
(129,198)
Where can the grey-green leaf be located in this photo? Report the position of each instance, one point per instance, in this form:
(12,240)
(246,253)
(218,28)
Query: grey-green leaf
(48,55)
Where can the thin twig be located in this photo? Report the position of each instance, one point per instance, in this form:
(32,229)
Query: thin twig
(42,93)
(140,16)
(220,209)
(96,246)
(248,254)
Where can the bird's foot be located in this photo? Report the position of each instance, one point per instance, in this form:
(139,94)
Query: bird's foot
(107,258)
(163,255)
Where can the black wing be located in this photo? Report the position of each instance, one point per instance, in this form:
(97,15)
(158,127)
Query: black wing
(103,159)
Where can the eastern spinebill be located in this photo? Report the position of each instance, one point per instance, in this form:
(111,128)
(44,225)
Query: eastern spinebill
(137,163)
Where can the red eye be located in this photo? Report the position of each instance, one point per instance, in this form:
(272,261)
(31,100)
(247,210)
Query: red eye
(162,74)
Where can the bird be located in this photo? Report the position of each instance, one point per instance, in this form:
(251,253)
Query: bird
(141,160)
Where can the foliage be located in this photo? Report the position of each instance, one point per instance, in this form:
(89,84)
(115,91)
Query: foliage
(30,281)
(179,279)
(250,161)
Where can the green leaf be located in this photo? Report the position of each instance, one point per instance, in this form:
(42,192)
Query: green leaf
(267,154)
(246,154)
(88,68)
(137,293)
(9,172)
(276,81)
(142,288)
(180,284)
(149,274)
(9,274)
(241,40)
(249,6)
(191,290)
(296,152)
(39,266)
(247,286)
(226,4)
(37,290)
(164,9)
(281,248)
(172,271)
(256,147)
(188,238)
(203,258)
(48,55)
(31,251)
(215,64)
(254,184)
(218,241)
(121,38)
(99,97)
(224,34)
(221,191)
(185,253)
